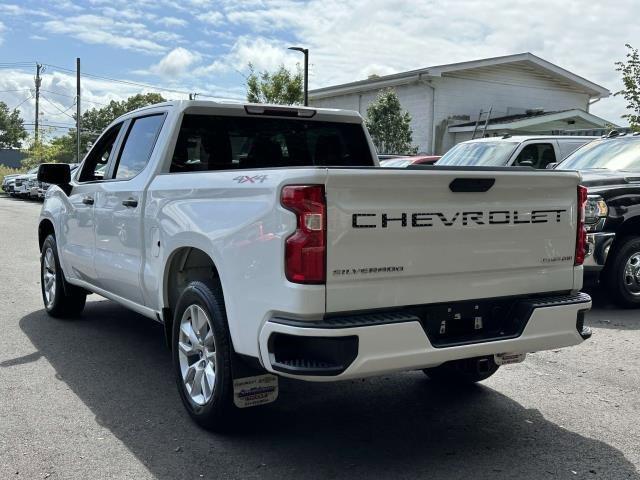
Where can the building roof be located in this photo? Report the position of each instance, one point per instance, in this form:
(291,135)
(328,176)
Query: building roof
(556,120)
(525,60)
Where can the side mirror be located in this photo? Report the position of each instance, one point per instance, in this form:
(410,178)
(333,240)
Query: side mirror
(551,166)
(55,173)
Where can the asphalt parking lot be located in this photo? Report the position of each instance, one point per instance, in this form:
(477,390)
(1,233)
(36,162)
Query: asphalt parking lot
(95,398)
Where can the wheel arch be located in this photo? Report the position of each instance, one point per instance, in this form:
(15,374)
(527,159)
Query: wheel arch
(45,228)
(185,264)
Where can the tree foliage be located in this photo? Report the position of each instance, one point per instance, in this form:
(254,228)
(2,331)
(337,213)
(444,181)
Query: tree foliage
(12,131)
(281,87)
(389,126)
(630,70)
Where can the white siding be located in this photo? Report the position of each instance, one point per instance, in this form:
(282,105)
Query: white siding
(506,92)
(415,99)
(508,89)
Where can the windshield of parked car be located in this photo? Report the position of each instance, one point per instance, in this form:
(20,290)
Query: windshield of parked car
(396,162)
(479,154)
(33,170)
(612,154)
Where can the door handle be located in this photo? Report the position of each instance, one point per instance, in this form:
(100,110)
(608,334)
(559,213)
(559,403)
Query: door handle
(130,202)
(87,200)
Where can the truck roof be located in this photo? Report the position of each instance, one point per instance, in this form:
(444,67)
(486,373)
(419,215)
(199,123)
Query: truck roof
(522,138)
(230,107)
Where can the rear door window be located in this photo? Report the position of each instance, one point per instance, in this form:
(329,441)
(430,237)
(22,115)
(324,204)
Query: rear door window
(138,145)
(223,143)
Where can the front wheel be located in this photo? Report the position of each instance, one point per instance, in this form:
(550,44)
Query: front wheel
(60,299)
(202,355)
(468,370)
(622,273)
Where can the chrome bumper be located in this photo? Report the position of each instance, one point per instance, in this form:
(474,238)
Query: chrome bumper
(598,245)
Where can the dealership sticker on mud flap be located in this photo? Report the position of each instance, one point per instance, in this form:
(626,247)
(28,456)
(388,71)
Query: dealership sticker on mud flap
(508,358)
(254,391)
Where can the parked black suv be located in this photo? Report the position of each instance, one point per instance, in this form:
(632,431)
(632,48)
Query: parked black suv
(610,168)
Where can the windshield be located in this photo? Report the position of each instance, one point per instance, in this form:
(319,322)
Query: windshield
(619,154)
(33,170)
(396,162)
(479,153)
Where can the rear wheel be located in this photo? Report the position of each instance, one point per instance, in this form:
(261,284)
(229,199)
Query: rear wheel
(202,355)
(60,299)
(468,370)
(622,273)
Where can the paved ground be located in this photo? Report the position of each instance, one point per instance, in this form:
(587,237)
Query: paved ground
(95,398)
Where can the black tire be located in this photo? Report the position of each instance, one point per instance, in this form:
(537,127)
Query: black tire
(217,412)
(620,285)
(466,371)
(67,300)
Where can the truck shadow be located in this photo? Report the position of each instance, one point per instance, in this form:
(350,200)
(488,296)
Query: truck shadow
(400,426)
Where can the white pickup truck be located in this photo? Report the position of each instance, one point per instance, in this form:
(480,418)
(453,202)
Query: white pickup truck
(269,243)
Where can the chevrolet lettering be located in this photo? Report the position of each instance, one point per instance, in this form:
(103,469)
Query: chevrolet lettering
(431,219)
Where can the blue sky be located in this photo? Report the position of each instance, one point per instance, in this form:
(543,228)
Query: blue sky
(204,46)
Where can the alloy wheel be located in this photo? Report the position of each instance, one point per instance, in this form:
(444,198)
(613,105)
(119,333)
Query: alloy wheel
(197,354)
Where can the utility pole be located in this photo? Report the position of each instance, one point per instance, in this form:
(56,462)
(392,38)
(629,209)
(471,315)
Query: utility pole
(38,82)
(78,159)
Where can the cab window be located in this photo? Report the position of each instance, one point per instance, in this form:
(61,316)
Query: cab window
(95,165)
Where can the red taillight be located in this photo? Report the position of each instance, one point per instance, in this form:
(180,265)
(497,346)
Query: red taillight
(304,255)
(581,238)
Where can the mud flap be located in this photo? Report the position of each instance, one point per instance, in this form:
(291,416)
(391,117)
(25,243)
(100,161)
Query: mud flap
(252,384)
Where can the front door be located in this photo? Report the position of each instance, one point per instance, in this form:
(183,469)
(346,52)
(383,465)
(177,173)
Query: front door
(118,211)
(77,232)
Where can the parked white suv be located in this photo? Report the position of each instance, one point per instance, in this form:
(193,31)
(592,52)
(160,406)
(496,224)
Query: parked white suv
(269,243)
(517,151)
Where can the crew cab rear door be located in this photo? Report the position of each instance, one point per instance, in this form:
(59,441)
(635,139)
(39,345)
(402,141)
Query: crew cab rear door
(407,237)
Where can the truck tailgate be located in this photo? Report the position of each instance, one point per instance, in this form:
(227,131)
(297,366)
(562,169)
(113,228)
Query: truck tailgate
(409,237)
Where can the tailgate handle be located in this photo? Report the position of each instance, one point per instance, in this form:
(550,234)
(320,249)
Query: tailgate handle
(471,184)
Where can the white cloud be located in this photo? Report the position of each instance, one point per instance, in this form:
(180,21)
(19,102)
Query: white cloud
(107,31)
(176,63)
(2,30)
(211,17)
(37,37)
(172,22)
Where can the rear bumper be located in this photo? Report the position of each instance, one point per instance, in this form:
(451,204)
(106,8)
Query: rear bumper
(365,345)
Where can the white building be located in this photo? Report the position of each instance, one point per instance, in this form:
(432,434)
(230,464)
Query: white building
(526,95)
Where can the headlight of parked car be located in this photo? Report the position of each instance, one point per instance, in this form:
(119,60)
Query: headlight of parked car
(595,211)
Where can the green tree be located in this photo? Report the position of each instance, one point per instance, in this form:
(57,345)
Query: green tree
(55,151)
(12,131)
(389,126)
(281,87)
(631,80)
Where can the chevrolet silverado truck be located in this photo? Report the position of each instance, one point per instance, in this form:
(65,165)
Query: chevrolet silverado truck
(268,242)
(610,167)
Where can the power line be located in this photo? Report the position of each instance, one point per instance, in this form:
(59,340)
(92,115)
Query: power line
(73,96)
(16,90)
(64,112)
(116,80)
(28,98)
